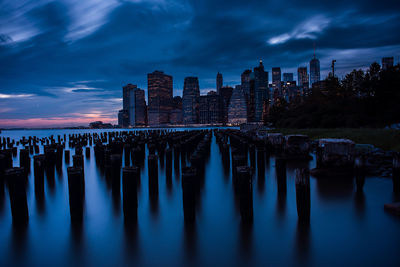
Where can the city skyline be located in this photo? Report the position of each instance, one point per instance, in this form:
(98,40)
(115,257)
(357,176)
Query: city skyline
(63,63)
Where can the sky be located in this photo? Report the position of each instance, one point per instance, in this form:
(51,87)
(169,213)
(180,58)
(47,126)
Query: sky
(63,63)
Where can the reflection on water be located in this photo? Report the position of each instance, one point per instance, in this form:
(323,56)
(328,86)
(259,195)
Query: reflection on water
(220,233)
(303,240)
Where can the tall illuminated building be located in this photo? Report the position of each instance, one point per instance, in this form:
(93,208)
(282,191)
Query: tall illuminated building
(276,77)
(315,75)
(302,77)
(190,100)
(261,91)
(219,82)
(288,77)
(159,98)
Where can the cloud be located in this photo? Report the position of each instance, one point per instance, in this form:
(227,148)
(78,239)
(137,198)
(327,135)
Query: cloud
(73,57)
(308,29)
(14,96)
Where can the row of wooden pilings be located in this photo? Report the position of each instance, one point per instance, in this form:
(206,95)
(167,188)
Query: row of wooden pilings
(186,151)
(249,155)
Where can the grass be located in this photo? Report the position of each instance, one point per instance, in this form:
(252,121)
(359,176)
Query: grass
(385,139)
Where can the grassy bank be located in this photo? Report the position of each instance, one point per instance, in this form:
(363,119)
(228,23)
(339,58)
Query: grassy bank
(381,138)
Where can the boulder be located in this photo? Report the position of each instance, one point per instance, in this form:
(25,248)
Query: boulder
(297,145)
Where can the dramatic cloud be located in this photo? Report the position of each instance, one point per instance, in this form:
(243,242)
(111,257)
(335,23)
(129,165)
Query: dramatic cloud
(69,58)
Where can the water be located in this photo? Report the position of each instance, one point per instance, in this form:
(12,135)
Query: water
(346,228)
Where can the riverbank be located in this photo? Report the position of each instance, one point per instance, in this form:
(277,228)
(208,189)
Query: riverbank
(385,139)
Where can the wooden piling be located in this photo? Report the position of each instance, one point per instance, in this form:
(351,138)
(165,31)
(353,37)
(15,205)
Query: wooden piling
(16,180)
(189,182)
(76,189)
(359,171)
(396,172)
(245,189)
(130,177)
(303,195)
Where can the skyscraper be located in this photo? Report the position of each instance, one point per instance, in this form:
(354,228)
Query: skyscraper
(387,63)
(302,77)
(159,98)
(288,77)
(190,100)
(134,106)
(276,77)
(225,94)
(237,110)
(260,91)
(176,113)
(315,75)
(219,82)
(210,108)
(247,84)
(140,108)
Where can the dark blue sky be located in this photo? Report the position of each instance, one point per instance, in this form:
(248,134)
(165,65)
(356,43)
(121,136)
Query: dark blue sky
(64,62)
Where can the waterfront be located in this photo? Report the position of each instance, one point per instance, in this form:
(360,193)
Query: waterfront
(346,227)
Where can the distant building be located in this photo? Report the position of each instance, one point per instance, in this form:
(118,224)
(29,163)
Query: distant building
(123,118)
(225,94)
(219,82)
(288,77)
(176,113)
(247,79)
(139,109)
(159,98)
(190,100)
(302,77)
(237,110)
(133,107)
(261,91)
(100,125)
(315,75)
(387,63)
(210,108)
(276,77)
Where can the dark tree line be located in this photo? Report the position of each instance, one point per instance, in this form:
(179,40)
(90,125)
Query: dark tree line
(360,99)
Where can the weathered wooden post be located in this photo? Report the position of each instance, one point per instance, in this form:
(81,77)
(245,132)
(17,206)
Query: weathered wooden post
(153,182)
(189,182)
(303,195)
(245,189)
(116,163)
(8,161)
(153,174)
(87,152)
(252,152)
(67,156)
(76,189)
(177,148)
(130,177)
(168,163)
(396,173)
(39,166)
(280,169)
(359,171)
(261,161)
(25,160)
(77,161)
(16,180)
(78,150)
(127,155)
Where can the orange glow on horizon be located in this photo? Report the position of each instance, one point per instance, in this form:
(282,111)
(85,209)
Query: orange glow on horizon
(54,121)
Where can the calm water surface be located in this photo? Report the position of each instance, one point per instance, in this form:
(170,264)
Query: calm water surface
(347,228)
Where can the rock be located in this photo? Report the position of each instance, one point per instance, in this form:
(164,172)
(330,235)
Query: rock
(336,152)
(297,146)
